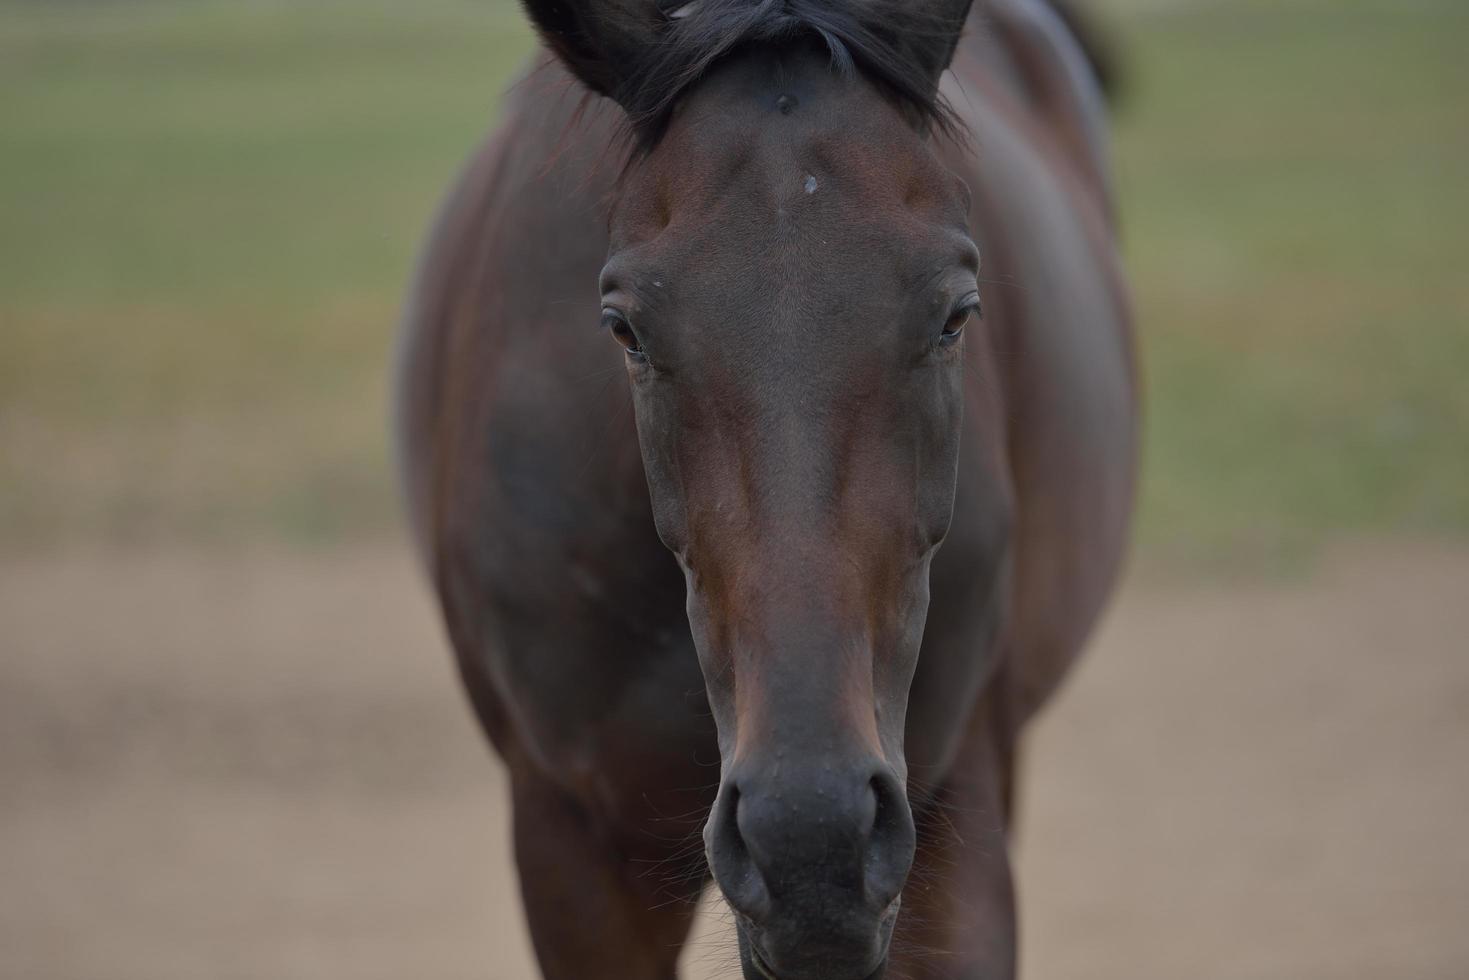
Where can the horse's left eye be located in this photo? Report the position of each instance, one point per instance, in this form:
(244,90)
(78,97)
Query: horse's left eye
(616,323)
(954,328)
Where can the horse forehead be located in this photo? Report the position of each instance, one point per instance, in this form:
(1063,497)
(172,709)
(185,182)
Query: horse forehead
(785,189)
(793,198)
(741,159)
(780,130)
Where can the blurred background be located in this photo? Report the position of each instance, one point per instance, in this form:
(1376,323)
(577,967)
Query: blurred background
(231,744)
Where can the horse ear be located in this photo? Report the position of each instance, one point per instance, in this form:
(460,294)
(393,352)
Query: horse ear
(595,39)
(598,40)
(930,32)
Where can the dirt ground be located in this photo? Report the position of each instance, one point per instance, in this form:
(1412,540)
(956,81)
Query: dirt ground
(259,766)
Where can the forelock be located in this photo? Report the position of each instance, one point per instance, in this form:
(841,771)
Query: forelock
(860,36)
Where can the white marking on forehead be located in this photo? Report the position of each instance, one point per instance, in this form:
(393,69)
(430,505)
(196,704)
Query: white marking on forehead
(810,184)
(679,13)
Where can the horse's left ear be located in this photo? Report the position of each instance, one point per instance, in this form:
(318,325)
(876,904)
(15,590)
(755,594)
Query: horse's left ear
(597,39)
(928,31)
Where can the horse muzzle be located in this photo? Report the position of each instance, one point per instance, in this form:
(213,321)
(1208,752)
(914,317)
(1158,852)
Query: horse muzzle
(804,957)
(812,860)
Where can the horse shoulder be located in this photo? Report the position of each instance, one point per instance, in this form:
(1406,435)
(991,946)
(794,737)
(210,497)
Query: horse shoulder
(1066,374)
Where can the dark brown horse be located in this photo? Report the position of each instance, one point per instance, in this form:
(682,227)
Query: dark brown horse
(802,383)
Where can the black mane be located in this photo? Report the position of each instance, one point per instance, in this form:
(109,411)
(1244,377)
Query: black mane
(885,41)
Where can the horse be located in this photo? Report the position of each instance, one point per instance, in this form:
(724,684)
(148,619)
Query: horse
(699,370)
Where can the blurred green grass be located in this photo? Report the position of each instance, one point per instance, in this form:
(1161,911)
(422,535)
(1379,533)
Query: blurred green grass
(1294,178)
(209,211)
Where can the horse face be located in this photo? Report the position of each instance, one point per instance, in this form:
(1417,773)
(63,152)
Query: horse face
(791,277)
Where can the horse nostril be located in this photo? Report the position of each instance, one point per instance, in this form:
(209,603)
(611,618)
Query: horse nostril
(869,810)
(884,806)
(891,841)
(729,856)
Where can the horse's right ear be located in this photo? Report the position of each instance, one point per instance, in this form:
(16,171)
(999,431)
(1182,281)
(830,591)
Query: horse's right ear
(597,39)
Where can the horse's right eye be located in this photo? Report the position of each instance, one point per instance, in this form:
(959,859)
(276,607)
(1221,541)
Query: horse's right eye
(954,328)
(616,323)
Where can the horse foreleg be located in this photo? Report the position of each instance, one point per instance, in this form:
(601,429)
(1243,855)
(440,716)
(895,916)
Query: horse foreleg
(958,915)
(593,910)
